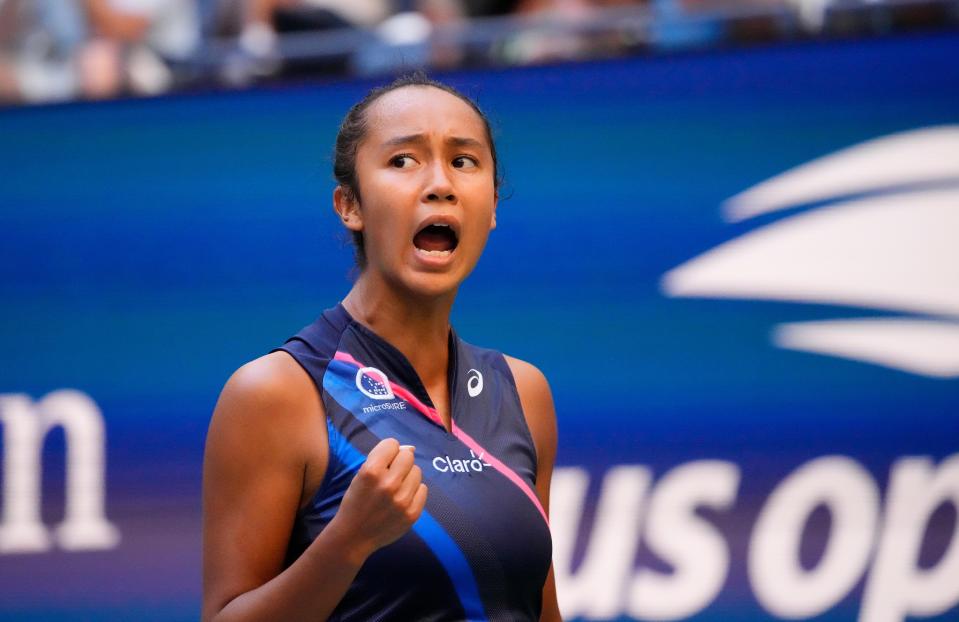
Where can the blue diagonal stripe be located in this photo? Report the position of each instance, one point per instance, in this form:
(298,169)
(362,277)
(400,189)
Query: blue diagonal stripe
(426,527)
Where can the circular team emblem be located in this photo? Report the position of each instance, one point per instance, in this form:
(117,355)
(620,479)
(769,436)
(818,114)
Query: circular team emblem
(474,383)
(373,384)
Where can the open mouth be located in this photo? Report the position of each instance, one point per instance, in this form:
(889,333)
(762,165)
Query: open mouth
(437,240)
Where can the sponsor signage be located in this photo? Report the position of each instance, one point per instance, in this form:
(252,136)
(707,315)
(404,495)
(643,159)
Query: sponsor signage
(737,269)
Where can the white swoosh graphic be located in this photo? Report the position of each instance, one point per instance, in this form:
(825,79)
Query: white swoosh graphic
(895,252)
(898,252)
(926,347)
(918,156)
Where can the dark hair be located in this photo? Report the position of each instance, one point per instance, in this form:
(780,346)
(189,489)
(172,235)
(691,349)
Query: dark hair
(353,130)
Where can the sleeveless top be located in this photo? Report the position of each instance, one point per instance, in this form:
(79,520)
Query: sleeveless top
(481,548)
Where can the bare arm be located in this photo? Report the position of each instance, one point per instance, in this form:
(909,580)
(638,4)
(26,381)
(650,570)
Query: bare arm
(265,428)
(537,403)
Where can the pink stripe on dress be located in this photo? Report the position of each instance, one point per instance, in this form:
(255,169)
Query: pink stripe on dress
(458,432)
(499,466)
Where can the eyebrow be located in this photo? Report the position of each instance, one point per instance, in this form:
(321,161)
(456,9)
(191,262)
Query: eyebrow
(455,141)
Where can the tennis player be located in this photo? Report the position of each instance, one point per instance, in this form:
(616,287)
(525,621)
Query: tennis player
(376,466)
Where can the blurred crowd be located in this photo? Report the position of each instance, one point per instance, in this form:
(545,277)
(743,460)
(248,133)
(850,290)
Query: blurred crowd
(56,50)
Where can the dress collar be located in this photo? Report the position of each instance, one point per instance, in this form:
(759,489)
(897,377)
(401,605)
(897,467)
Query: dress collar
(398,367)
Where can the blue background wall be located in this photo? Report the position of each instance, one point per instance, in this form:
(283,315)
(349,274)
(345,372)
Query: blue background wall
(150,247)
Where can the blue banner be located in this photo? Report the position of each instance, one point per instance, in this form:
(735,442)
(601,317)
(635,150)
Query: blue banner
(738,269)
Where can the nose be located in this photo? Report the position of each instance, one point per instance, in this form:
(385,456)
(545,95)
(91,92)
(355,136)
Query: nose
(439,187)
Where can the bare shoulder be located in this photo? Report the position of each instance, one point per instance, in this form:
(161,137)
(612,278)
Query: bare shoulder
(268,412)
(262,448)
(537,401)
(530,381)
(268,405)
(273,379)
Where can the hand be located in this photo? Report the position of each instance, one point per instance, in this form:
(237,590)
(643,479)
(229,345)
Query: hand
(385,497)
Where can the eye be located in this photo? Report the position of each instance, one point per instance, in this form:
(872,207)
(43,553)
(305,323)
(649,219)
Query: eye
(464,162)
(404,160)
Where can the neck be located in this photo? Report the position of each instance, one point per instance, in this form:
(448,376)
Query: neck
(417,326)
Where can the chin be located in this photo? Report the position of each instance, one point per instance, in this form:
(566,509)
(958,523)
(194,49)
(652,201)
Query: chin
(429,278)
(432,284)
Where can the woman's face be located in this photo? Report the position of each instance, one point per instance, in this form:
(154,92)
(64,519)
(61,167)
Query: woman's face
(428,200)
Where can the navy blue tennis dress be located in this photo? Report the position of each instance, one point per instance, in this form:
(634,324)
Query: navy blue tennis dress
(481,548)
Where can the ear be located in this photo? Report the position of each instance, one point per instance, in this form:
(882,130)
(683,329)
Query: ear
(492,223)
(348,209)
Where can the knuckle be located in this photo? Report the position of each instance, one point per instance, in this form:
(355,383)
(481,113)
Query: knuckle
(388,486)
(365,475)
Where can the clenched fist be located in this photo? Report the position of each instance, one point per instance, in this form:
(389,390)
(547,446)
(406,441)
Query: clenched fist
(385,498)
